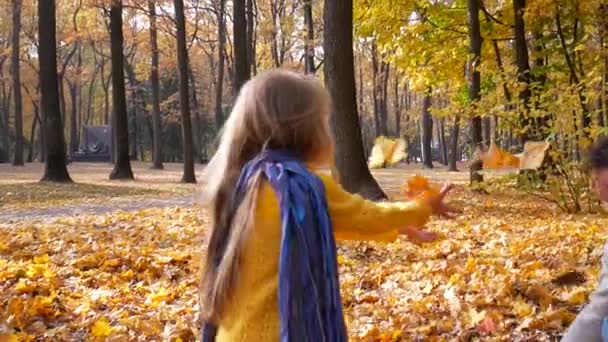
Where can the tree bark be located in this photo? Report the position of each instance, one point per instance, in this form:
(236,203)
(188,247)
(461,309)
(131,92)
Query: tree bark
(16,71)
(122,162)
(474,62)
(376,91)
(72,87)
(241,66)
(339,72)
(250,35)
(427,131)
(603,33)
(184,101)
(444,145)
(397,107)
(523,66)
(55,169)
(157,132)
(454,155)
(309,46)
(384,73)
(30,153)
(487,130)
(219,88)
(197,127)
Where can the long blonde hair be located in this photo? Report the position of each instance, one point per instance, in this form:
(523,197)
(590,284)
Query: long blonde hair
(275,110)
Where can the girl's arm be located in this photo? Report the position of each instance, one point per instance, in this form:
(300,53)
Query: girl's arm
(588,324)
(354,218)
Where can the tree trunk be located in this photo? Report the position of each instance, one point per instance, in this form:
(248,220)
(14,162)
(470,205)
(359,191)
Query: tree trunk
(397,107)
(157,132)
(309,46)
(132,110)
(219,88)
(73,118)
(4,130)
(91,96)
(604,43)
(376,90)
(55,169)
(487,130)
(241,66)
(474,63)
(250,34)
(122,162)
(184,101)
(523,66)
(197,130)
(106,95)
(427,131)
(360,85)
(16,71)
(454,155)
(339,75)
(30,153)
(384,76)
(444,145)
(41,133)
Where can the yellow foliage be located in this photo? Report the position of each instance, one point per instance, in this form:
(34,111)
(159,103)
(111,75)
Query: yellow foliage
(419,187)
(386,152)
(496,158)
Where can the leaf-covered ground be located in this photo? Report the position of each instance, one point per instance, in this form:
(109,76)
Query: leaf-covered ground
(510,268)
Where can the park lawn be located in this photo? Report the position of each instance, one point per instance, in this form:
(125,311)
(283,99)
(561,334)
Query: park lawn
(509,268)
(20,187)
(44,195)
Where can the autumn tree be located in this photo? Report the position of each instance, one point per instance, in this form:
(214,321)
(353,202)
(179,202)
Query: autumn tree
(474,79)
(427,131)
(122,163)
(239,31)
(309,48)
(523,65)
(221,58)
(339,74)
(55,169)
(474,63)
(155,85)
(184,101)
(16,70)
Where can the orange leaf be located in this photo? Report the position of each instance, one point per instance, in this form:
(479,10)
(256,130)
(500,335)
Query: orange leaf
(419,187)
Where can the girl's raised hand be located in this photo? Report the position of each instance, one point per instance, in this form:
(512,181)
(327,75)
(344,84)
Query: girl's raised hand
(439,205)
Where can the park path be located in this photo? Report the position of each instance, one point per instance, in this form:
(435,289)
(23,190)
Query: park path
(133,204)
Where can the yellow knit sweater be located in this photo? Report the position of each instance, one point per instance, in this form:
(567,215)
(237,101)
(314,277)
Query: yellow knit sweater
(252,314)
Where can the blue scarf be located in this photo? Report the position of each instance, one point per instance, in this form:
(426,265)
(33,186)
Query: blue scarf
(310,307)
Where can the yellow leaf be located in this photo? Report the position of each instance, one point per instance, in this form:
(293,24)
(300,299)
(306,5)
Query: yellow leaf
(522,308)
(101,328)
(162,295)
(43,259)
(578,296)
(25,286)
(476,316)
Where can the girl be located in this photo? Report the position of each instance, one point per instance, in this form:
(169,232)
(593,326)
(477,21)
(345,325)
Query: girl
(270,273)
